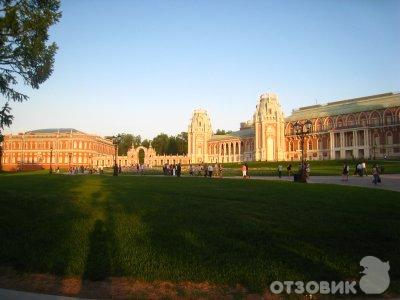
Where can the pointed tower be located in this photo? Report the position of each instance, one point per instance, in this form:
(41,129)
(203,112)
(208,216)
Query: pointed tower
(269,123)
(199,133)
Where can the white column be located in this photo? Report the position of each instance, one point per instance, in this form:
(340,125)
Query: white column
(332,144)
(240,151)
(263,147)
(366,144)
(355,144)
(342,145)
(234,152)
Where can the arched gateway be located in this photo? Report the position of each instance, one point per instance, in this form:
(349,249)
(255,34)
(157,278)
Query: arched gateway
(149,158)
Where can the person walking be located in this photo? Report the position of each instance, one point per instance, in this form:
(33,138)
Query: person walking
(190,170)
(280,168)
(178,170)
(244,171)
(345,172)
(210,170)
(375,174)
(364,168)
(247,170)
(289,169)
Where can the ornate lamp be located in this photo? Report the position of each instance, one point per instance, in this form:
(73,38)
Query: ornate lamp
(302,129)
(116,140)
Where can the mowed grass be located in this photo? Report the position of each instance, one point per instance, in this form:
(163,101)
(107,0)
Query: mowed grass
(225,232)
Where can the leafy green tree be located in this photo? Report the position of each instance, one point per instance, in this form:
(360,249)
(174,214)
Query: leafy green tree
(25,54)
(146,143)
(172,145)
(182,143)
(127,140)
(160,143)
(222,132)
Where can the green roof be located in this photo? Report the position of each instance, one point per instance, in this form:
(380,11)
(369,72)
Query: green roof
(53,130)
(380,101)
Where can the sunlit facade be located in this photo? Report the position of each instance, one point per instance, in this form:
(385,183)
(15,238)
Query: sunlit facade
(62,147)
(366,127)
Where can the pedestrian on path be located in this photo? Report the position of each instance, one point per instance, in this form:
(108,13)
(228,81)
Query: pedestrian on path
(375,174)
(345,172)
(244,171)
(280,168)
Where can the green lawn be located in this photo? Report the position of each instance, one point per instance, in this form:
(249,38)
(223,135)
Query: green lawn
(321,167)
(195,229)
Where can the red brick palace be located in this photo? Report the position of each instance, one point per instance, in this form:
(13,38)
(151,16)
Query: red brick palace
(63,147)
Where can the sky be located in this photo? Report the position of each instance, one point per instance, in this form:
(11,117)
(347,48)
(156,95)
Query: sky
(142,67)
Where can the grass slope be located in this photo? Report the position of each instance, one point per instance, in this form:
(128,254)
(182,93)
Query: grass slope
(196,229)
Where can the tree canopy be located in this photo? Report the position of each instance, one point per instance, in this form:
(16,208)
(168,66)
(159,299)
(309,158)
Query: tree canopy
(127,140)
(25,54)
(162,143)
(222,132)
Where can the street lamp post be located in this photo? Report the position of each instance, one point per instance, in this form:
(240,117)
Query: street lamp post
(301,130)
(69,161)
(51,160)
(116,141)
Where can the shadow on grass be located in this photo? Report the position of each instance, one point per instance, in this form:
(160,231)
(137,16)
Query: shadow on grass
(98,260)
(37,216)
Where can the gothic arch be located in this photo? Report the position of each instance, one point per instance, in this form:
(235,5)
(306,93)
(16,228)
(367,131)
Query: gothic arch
(289,128)
(362,119)
(373,116)
(350,120)
(339,121)
(317,125)
(388,117)
(398,114)
(328,123)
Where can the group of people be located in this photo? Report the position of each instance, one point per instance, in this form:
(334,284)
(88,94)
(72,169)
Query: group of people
(361,170)
(172,170)
(78,170)
(209,170)
(289,169)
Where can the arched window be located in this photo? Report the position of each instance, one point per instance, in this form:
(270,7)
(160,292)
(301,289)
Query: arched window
(375,119)
(376,139)
(389,138)
(310,145)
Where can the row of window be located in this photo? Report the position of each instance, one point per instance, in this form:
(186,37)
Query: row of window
(62,145)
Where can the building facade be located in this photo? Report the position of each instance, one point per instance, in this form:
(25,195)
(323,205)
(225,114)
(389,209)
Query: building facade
(63,148)
(366,127)
(66,147)
(150,158)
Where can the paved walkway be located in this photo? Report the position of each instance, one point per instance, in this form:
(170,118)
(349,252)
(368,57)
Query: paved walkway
(17,295)
(389,181)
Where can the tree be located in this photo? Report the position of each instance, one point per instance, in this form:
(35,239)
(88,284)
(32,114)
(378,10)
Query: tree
(25,54)
(160,143)
(182,143)
(146,143)
(127,140)
(222,132)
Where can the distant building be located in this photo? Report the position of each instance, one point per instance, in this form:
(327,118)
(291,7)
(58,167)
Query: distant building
(61,147)
(367,127)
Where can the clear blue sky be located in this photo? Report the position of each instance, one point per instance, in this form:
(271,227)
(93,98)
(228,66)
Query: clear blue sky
(142,66)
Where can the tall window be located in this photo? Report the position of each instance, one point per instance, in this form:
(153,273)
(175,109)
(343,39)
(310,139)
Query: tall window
(389,138)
